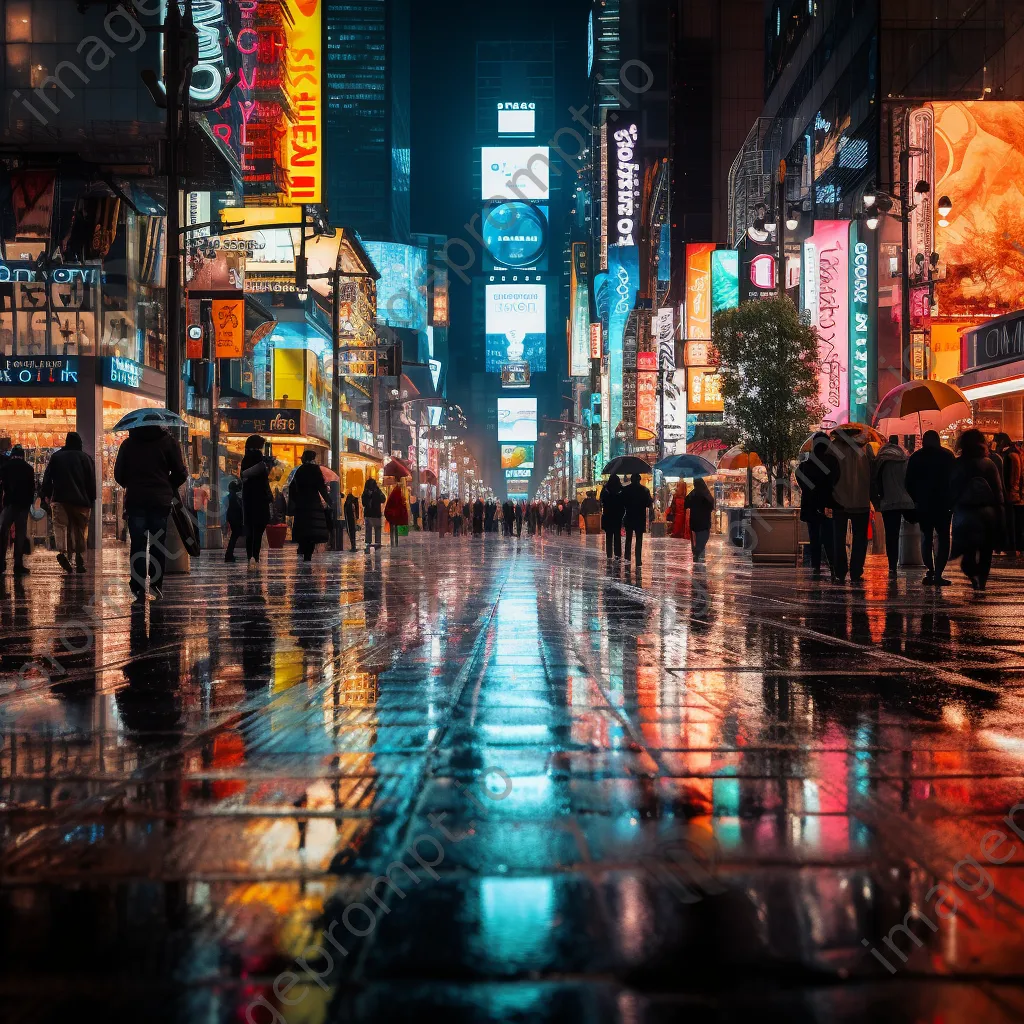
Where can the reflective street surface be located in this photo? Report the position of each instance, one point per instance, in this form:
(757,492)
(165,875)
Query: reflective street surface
(499,781)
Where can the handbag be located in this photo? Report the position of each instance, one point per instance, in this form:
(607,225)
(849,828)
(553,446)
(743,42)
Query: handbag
(187,527)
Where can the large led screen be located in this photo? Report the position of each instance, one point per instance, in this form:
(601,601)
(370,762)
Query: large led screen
(517,420)
(516,325)
(698,289)
(515,172)
(725,280)
(517,456)
(515,235)
(401,290)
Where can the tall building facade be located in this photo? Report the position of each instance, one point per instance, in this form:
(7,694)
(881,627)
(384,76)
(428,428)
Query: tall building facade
(367,79)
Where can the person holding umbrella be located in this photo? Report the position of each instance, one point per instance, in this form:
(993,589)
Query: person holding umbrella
(928,474)
(637,502)
(612,511)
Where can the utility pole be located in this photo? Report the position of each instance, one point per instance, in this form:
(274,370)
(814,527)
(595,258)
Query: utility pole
(906,365)
(780,220)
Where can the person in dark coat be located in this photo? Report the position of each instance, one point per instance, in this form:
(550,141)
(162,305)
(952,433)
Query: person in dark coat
(373,512)
(637,502)
(929,471)
(976,494)
(70,484)
(256,496)
(700,503)
(508,515)
(519,518)
(351,515)
(19,491)
(478,518)
(150,468)
(612,511)
(815,491)
(310,501)
(235,519)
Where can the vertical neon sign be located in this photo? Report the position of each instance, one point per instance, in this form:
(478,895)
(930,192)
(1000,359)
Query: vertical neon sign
(860,325)
(830,272)
(698,289)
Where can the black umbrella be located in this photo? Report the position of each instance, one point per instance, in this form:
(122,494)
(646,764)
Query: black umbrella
(625,465)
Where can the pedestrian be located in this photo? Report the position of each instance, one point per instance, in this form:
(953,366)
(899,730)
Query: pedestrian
(700,506)
(235,518)
(976,494)
(612,511)
(150,468)
(414,509)
(442,516)
(279,507)
(681,529)
(478,517)
(1011,459)
(373,509)
(520,511)
(310,505)
(889,471)
(18,482)
(69,483)
(256,496)
(396,512)
(815,502)
(455,515)
(929,471)
(351,512)
(573,523)
(432,516)
(849,468)
(637,503)
(508,516)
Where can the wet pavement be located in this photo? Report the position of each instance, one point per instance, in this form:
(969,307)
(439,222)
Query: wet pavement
(504,781)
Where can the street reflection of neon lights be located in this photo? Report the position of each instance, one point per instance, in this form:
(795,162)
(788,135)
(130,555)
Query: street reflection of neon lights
(516,916)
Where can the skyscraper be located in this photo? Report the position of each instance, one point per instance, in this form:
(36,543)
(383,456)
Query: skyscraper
(367,87)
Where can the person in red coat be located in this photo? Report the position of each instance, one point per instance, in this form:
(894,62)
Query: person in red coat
(680,525)
(396,512)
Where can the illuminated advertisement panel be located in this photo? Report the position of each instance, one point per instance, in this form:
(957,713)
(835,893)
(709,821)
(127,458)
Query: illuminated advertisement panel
(646,395)
(514,172)
(516,326)
(624,183)
(861,324)
(698,289)
(827,286)
(623,280)
(304,152)
(401,290)
(979,165)
(725,280)
(595,341)
(517,118)
(579,300)
(517,420)
(515,235)
(703,389)
(517,456)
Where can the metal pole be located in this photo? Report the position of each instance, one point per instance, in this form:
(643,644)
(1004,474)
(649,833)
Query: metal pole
(906,369)
(336,405)
(213,535)
(172,69)
(781,225)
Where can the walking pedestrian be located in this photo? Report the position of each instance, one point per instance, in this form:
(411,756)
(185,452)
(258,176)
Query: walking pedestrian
(256,496)
(373,508)
(478,518)
(455,515)
(815,502)
(1010,455)
(849,469)
(310,502)
(889,469)
(976,492)
(637,502)
(19,490)
(396,512)
(700,506)
(681,529)
(520,512)
(442,515)
(414,509)
(508,516)
(432,516)
(351,511)
(150,468)
(612,511)
(929,471)
(69,483)
(235,518)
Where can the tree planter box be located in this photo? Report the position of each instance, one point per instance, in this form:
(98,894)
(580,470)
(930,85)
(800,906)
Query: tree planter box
(277,534)
(772,535)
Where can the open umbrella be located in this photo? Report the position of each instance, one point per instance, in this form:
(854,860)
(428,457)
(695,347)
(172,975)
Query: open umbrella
(625,465)
(428,476)
(149,418)
(736,460)
(396,470)
(689,466)
(329,475)
(920,405)
(859,432)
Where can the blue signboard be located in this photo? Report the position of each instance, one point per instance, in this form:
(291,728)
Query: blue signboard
(39,371)
(623,281)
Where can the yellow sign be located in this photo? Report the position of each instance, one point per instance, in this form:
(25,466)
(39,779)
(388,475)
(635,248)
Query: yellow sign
(304,147)
(703,389)
(229,328)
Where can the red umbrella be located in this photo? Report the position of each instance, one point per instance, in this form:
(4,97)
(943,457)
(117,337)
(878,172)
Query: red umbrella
(427,476)
(397,469)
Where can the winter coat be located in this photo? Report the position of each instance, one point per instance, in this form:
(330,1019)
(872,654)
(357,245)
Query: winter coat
(19,483)
(612,507)
(234,515)
(636,500)
(311,502)
(850,473)
(700,504)
(256,493)
(890,472)
(814,477)
(351,509)
(150,468)
(70,478)
(976,494)
(442,517)
(1013,484)
(396,512)
(677,515)
(928,477)
(373,500)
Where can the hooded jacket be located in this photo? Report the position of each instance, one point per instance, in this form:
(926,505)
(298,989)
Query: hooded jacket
(850,473)
(928,475)
(150,468)
(890,473)
(70,477)
(373,500)
(612,505)
(18,482)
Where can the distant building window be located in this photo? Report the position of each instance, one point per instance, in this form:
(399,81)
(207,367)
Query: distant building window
(19,21)
(40,73)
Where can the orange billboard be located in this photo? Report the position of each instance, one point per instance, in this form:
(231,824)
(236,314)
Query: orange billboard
(698,289)
(979,165)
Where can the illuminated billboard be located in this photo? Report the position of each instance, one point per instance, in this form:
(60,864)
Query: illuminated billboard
(517,456)
(703,389)
(402,288)
(514,172)
(725,280)
(517,118)
(304,149)
(515,235)
(579,304)
(624,183)
(698,289)
(826,296)
(624,279)
(516,326)
(646,396)
(862,324)
(517,420)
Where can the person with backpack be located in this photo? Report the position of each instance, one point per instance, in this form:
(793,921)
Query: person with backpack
(69,483)
(976,496)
